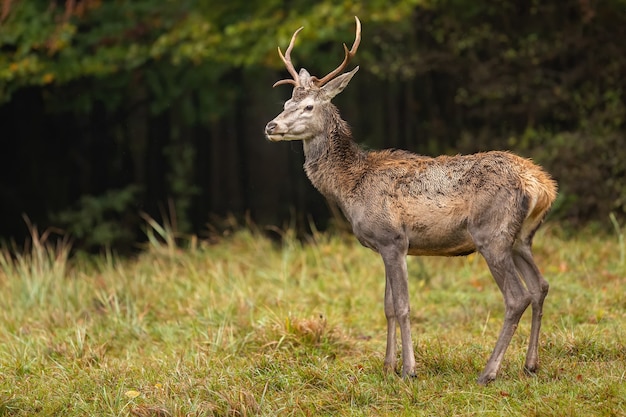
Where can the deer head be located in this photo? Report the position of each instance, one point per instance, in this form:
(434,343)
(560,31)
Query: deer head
(303,115)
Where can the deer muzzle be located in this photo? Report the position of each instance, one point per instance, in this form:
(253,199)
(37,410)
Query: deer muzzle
(272,131)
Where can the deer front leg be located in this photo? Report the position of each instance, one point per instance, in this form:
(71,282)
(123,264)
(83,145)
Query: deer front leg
(390,314)
(397,293)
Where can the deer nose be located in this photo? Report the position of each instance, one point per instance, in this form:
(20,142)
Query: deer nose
(269,128)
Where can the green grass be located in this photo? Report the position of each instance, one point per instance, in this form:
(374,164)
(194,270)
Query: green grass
(244,326)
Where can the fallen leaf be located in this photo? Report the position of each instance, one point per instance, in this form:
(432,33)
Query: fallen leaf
(132,394)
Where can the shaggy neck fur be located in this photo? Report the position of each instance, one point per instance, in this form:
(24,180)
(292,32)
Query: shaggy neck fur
(332,155)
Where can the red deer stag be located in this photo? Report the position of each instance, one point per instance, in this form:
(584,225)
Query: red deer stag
(400,203)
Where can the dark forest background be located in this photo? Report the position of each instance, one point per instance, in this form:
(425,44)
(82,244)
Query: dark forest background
(111,109)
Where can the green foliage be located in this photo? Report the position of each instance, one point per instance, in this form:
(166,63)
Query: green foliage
(180,179)
(543,78)
(245,326)
(99,221)
(591,167)
(53,46)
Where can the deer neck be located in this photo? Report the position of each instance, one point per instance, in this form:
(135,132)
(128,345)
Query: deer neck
(333,159)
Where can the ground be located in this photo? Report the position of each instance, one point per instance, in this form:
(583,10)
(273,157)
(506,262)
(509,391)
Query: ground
(243,325)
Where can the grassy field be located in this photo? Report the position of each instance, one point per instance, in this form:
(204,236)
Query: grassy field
(244,326)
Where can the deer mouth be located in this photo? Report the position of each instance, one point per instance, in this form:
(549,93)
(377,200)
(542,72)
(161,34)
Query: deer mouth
(275,137)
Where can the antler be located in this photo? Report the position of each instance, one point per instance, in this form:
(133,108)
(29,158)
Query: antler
(349,55)
(318,82)
(287,60)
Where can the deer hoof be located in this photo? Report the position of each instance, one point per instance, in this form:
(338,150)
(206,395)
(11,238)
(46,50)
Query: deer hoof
(530,369)
(407,376)
(485,379)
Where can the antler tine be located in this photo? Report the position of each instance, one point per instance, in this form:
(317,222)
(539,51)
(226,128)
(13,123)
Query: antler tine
(349,54)
(287,60)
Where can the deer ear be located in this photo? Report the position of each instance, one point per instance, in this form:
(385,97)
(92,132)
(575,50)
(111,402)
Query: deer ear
(336,85)
(304,77)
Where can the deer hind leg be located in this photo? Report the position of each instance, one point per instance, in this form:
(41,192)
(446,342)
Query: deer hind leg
(538,288)
(516,300)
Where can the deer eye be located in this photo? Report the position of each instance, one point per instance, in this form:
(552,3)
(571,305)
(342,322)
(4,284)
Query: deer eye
(309,107)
